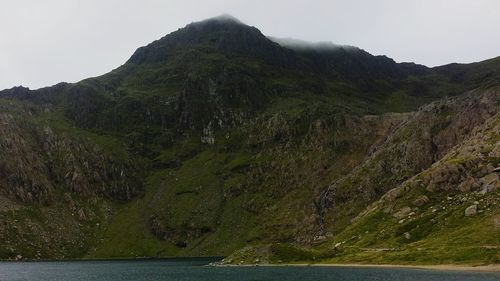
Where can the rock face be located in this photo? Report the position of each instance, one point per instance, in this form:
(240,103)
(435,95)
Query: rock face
(50,161)
(416,144)
(63,178)
(225,35)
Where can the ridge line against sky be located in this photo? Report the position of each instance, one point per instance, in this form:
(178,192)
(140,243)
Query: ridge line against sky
(46,42)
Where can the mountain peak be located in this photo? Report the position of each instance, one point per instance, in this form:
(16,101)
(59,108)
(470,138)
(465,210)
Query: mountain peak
(223,18)
(224,22)
(225,34)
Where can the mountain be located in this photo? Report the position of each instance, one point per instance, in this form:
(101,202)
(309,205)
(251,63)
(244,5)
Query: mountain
(217,140)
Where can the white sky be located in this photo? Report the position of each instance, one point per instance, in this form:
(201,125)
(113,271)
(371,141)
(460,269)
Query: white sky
(43,42)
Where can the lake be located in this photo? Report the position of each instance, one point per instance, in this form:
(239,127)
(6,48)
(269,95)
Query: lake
(195,269)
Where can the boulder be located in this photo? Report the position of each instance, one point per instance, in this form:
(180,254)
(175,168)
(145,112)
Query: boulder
(490,182)
(471,211)
(403,212)
(394,193)
(420,201)
(468,185)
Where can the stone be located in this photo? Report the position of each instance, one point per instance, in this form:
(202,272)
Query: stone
(403,212)
(394,194)
(432,187)
(490,182)
(407,235)
(483,190)
(420,201)
(471,211)
(468,185)
(81,215)
(496,222)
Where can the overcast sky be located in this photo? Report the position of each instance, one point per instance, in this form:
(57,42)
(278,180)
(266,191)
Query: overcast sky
(49,41)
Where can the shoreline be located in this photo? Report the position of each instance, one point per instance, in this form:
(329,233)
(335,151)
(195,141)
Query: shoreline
(442,267)
(495,268)
(447,267)
(117,259)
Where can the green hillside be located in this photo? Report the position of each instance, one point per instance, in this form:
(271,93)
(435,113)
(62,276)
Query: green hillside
(216,140)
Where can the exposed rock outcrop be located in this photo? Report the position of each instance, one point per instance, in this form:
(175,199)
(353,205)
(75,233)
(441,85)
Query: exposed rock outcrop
(36,161)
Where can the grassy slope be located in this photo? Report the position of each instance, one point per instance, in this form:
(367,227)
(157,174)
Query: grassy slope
(190,197)
(230,191)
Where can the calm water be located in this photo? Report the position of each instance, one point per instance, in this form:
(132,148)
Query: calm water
(193,270)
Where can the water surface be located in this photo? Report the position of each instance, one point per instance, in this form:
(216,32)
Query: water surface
(195,270)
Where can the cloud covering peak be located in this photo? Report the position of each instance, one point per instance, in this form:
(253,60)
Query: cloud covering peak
(297,44)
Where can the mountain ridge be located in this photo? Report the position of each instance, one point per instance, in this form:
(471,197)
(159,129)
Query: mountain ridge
(215,140)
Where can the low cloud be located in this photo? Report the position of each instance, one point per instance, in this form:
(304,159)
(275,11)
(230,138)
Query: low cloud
(302,45)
